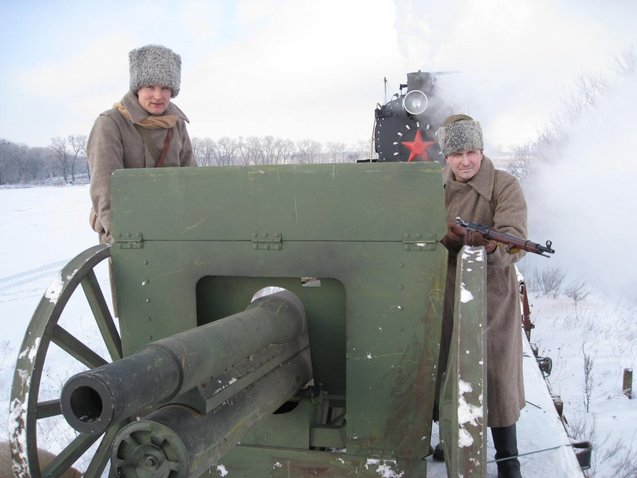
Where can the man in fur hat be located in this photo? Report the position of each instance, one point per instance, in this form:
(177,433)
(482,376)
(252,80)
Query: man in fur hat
(144,130)
(477,192)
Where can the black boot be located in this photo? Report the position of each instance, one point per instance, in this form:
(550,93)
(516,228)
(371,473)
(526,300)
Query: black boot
(506,446)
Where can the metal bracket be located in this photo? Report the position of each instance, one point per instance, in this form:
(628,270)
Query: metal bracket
(130,240)
(267,240)
(417,241)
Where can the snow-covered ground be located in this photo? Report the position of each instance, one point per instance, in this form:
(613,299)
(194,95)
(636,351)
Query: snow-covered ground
(42,228)
(603,333)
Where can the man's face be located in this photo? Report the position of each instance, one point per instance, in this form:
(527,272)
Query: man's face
(465,164)
(154,99)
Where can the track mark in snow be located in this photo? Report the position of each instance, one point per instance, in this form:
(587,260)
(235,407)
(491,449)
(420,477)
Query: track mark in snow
(23,285)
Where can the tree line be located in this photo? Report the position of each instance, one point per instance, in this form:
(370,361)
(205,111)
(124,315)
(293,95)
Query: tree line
(64,160)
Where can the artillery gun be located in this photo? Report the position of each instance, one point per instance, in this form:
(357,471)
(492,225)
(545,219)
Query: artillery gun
(334,374)
(207,372)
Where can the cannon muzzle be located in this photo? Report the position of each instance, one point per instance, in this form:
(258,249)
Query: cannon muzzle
(179,442)
(220,359)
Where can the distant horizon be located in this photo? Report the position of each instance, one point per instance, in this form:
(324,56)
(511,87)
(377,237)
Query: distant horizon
(263,69)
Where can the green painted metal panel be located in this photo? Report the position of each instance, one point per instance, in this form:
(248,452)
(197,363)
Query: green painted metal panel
(220,296)
(357,202)
(463,423)
(203,241)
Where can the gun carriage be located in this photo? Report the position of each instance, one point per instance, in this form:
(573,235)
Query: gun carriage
(205,370)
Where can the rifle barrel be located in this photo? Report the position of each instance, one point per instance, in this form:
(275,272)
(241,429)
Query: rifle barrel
(507,239)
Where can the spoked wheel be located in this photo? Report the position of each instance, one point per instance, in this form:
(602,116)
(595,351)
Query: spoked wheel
(27,409)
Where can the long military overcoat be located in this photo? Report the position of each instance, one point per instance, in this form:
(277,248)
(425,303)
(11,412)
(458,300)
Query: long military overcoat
(115,143)
(493,198)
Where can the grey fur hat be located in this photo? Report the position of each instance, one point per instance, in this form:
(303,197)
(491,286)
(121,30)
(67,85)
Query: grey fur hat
(153,65)
(459,133)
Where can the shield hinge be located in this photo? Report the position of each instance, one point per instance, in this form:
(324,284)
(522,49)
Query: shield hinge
(130,240)
(418,241)
(267,240)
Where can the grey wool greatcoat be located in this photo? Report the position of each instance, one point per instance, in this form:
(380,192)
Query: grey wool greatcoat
(115,143)
(493,198)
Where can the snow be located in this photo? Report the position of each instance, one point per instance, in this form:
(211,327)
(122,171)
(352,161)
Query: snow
(384,468)
(44,227)
(222,470)
(606,331)
(467,413)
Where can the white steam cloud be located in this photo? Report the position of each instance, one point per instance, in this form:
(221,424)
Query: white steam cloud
(517,61)
(586,199)
(514,60)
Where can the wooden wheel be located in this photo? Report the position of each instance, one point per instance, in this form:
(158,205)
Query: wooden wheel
(27,407)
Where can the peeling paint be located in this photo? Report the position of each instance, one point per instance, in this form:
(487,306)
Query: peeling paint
(29,353)
(465,295)
(54,290)
(195,225)
(384,468)
(465,439)
(18,436)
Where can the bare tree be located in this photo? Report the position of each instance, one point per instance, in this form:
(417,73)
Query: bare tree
(204,150)
(276,150)
(32,166)
(60,151)
(588,377)
(197,149)
(242,152)
(364,151)
(77,143)
(253,150)
(626,63)
(62,158)
(227,151)
(590,87)
(578,291)
(9,162)
(336,152)
(521,164)
(308,151)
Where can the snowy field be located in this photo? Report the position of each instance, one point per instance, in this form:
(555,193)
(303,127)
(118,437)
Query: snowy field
(44,227)
(602,333)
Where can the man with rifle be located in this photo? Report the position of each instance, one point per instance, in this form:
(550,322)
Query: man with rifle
(477,192)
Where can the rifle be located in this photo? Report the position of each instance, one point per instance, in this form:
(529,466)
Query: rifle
(526,311)
(509,240)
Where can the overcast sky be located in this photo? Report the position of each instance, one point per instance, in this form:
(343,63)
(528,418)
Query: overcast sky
(303,69)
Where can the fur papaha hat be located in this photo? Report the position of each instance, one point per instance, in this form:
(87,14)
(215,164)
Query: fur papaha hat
(154,65)
(459,133)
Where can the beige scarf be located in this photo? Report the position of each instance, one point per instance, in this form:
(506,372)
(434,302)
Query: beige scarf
(150,122)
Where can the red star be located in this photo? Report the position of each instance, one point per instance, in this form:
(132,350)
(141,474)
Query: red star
(418,147)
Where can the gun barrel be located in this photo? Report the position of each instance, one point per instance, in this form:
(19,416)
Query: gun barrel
(182,442)
(164,369)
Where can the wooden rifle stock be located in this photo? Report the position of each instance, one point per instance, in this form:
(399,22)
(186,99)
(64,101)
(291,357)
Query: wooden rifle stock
(509,240)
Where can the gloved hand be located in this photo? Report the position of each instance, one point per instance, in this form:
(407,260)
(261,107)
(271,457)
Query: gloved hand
(474,238)
(452,241)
